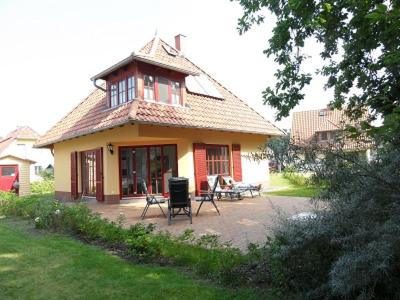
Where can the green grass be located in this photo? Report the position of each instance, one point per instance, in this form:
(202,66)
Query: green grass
(290,189)
(39,265)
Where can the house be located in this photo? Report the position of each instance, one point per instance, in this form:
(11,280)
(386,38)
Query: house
(20,163)
(152,116)
(321,127)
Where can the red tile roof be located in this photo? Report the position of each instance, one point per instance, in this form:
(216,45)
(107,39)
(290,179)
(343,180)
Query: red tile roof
(306,124)
(21,132)
(228,114)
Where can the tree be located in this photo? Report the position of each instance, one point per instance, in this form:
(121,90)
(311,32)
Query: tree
(349,248)
(361,51)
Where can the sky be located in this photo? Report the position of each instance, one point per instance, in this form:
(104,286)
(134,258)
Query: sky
(50,49)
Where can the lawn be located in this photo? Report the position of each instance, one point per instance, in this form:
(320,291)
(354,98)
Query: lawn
(287,188)
(39,265)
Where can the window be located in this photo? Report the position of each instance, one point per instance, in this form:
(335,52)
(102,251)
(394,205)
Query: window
(131,88)
(217,160)
(175,92)
(113,95)
(122,91)
(163,85)
(8,171)
(38,170)
(323,136)
(88,163)
(148,87)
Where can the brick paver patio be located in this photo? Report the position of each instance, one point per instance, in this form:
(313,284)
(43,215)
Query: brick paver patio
(240,222)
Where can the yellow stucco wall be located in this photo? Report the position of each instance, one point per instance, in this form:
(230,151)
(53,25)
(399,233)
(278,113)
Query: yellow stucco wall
(24,173)
(135,134)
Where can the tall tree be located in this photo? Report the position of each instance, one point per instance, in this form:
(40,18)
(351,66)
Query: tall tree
(361,51)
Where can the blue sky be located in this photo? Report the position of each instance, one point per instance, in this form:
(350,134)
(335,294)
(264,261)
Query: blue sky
(50,49)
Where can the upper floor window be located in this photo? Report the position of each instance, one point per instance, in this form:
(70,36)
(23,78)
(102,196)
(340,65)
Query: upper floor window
(122,91)
(38,170)
(163,86)
(175,92)
(323,136)
(162,89)
(113,95)
(148,87)
(131,88)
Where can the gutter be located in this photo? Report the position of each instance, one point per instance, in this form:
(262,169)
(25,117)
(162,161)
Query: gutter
(132,121)
(141,58)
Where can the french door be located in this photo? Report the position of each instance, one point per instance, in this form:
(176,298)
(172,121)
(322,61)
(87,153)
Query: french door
(153,164)
(88,165)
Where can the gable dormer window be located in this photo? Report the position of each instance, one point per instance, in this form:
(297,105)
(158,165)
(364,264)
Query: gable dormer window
(163,95)
(148,87)
(113,95)
(175,92)
(122,91)
(131,88)
(162,90)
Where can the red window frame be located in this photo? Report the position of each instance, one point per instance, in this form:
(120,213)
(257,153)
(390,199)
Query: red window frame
(116,83)
(154,86)
(148,181)
(156,90)
(122,93)
(216,158)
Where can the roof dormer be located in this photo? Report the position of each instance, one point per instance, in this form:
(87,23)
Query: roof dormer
(156,73)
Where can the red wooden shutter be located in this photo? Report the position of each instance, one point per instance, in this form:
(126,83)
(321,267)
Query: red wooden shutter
(99,175)
(237,162)
(200,167)
(74,175)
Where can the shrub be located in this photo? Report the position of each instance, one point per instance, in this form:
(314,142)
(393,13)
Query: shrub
(43,186)
(205,255)
(296,179)
(351,248)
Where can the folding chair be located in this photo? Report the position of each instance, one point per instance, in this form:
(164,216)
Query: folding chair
(208,196)
(150,200)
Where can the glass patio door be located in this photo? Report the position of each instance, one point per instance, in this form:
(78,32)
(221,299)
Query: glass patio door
(128,172)
(153,164)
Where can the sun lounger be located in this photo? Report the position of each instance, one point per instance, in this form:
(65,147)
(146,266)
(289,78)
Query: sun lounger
(243,186)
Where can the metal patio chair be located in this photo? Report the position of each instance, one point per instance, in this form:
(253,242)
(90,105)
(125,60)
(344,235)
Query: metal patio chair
(179,202)
(151,200)
(209,195)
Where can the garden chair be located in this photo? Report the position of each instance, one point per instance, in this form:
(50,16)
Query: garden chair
(179,202)
(227,191)
(245,187)
(151,200)
(209,195)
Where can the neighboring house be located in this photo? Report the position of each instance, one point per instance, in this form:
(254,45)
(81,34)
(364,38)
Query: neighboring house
(322,126)
(20,163)
(156,116)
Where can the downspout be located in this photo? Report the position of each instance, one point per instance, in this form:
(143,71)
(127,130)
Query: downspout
(97,86)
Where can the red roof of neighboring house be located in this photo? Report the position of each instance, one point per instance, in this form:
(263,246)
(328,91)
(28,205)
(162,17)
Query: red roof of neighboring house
(306,124)
(227,114)
(21,132)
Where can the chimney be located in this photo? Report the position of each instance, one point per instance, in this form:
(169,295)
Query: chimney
(179,42)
